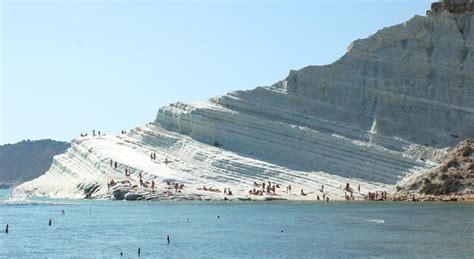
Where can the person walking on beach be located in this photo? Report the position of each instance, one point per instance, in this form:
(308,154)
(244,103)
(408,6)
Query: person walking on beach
(50,222)
(168,238)
(6,229)
(139,251)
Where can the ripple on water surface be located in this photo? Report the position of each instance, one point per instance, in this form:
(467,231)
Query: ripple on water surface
(235,229)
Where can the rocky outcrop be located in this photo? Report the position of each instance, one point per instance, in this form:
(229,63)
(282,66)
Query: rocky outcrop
(452,6)
(455,175)
(392,106)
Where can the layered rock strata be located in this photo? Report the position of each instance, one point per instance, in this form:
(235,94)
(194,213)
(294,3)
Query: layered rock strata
(393,105)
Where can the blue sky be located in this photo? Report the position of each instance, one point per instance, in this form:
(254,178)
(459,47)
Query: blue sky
(68,68)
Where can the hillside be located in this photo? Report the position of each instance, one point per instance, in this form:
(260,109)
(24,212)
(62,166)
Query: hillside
(27,160)
(395,104)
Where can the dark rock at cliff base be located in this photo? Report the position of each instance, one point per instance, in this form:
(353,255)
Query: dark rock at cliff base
(119,194)
(133,196)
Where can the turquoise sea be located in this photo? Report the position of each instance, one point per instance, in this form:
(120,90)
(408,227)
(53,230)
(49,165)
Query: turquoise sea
(104,229)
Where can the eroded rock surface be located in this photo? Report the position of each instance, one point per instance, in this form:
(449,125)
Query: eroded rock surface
(393,105)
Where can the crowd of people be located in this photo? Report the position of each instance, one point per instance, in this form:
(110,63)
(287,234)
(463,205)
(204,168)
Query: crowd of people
(265,187)
(128,171)
(176,186)
(377,196)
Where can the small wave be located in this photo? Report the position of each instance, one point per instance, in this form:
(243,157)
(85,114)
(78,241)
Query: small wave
(377,221)
(29,202)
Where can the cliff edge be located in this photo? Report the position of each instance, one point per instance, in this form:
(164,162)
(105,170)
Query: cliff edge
(394,105)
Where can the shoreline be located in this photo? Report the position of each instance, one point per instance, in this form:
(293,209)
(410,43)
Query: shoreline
(405,199)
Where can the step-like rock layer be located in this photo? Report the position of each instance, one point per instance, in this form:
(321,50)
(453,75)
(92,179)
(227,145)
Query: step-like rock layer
(383,111)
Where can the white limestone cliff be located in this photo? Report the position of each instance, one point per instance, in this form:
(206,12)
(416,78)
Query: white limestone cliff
(391,106)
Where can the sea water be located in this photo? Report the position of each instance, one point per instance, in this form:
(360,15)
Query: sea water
(104,229)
